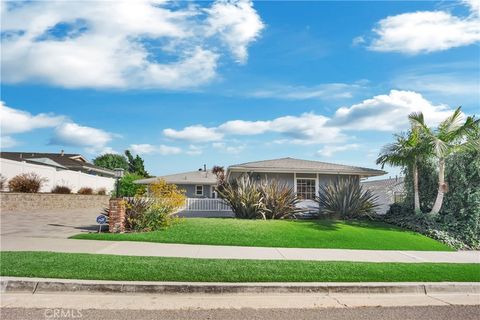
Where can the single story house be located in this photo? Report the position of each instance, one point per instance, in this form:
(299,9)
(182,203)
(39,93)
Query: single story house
(304,176)
(197,184)
(388,191)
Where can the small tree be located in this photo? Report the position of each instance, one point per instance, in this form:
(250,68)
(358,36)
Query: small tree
(111,161)
(136,164)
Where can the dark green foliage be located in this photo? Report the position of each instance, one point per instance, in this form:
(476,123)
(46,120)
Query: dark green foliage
(26,182)
(111,161)
(135,209)
(85,190)
(61,190)
(458,222)
(347,199)
(127,187)
(427,183)
(135,164)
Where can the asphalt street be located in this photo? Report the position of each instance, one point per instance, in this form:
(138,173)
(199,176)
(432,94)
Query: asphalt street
(370,313)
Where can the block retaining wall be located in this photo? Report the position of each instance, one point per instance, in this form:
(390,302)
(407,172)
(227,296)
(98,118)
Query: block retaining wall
(10,201)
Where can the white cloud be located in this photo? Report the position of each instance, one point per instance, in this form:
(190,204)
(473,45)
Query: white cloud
(7,142)
(321,92)
(146,148)
(237,23)
(223,147)
(18,121)
(196,133)
(194,150)
(168,150)
(388,112)
(92,139)
(330,150)
(427,31)
(123,44)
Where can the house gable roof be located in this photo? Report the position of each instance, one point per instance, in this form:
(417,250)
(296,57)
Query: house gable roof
(192,177)
(300,165)
(393,184)
(71,161)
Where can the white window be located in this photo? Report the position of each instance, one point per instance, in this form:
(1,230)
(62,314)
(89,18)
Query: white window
(199,190)
(306,189)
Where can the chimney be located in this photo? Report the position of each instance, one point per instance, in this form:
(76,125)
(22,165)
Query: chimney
(205,167)
(62,153)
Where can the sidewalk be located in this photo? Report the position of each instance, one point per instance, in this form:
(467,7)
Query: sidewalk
(131,248)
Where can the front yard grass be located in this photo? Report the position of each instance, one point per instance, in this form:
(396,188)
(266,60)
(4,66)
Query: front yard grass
(283,233)
(114,267)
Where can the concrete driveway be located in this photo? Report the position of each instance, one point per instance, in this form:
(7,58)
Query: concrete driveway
(49,223)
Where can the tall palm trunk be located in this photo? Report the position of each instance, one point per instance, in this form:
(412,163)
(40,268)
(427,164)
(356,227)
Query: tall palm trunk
(416,194)
(441,187)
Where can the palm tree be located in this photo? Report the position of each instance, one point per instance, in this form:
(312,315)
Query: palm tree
(406,151)
(447,138)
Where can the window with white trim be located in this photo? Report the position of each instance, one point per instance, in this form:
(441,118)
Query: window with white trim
(306,189)
(199,190)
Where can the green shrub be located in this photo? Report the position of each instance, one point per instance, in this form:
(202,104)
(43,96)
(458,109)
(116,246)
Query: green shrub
(157,217)
(280,201)
(61,190)
(127,188)
(347,199)
(135,209)
(26,182)
(85,190)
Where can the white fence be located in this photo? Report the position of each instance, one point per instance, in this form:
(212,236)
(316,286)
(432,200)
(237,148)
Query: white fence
(72,179)
(201,205)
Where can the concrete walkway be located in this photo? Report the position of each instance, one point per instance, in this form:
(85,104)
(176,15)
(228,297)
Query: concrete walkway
(131,248)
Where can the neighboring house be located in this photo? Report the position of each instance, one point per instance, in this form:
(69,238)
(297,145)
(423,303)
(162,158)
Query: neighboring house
(388,191)
(197,184)
(71,170)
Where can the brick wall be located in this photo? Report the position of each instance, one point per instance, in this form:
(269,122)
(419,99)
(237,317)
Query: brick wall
(116,218)
(11,202)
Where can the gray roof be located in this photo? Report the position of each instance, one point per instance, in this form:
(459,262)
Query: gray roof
(392,184)
(191,177)
(299,165)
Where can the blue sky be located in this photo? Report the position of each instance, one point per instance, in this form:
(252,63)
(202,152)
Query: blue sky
(183,84)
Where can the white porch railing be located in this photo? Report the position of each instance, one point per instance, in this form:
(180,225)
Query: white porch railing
(205,204)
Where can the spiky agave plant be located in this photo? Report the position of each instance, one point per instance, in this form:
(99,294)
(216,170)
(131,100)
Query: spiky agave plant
(244,197)
(347,199)
(280,201)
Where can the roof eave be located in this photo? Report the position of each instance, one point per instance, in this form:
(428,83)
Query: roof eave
(304,170)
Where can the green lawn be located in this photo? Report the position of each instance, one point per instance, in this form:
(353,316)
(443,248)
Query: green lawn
(112,267)
(284,233)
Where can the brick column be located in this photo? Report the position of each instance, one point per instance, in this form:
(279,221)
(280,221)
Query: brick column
(116,219)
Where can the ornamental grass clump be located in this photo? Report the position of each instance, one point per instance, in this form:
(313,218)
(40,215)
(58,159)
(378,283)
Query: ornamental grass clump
(259,200)
(347,199)
(279,200)
(85,191)
(26,182)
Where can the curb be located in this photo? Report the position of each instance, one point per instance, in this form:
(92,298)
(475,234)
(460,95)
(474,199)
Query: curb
(49,286)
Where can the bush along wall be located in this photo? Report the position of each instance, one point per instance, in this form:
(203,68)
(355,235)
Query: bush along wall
(458,222)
